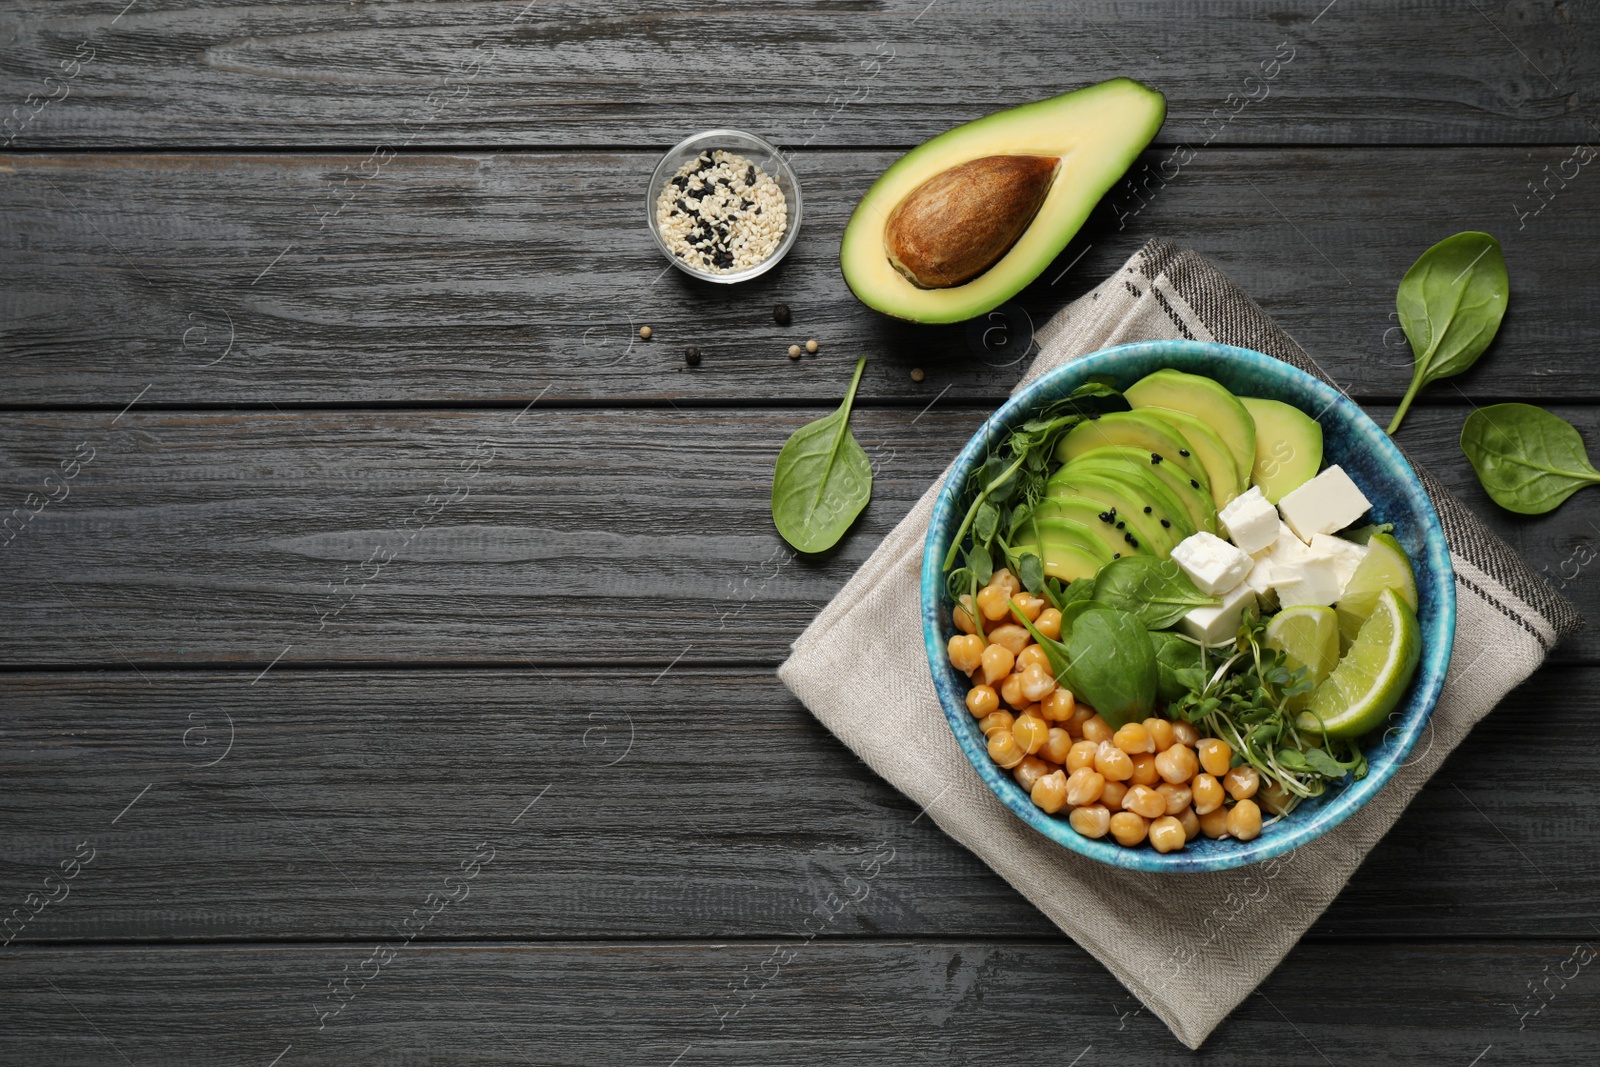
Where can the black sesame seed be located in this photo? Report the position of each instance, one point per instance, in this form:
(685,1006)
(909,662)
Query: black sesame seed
(1194,483)
(1116,555)
(1134,541)
(681,181)
(1155,457)
(1121,525)
(1184,452)
(750,175)
(1128,538)
(746,205)
(1147,509)
(780,314)
(682,204)
(1113,512)
(691,356)
(1167,524)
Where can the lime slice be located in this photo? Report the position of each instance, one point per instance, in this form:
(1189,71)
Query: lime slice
(1385,566)
(1308,637)
(1372,676)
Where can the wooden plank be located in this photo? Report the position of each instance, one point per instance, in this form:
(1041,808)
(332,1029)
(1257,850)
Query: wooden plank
(489,278)
(567,73)
(629,803)
(490,536)
(824,1002)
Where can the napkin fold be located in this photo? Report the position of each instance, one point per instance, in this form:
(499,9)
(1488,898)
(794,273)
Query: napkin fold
(1190,957)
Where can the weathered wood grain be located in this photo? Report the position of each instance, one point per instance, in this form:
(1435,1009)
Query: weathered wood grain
(488,278)
(873,1002)
(689,803)
(498,536)
(486,73)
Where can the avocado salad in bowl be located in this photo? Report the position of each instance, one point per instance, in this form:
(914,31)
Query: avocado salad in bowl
(1185,605)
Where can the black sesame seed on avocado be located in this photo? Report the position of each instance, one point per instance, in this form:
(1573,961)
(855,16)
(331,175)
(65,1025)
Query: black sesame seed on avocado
(1116,555)
(1184,452)
(1194,483)
(1155,457)
(1147,509)
(1121,525)
(1165,523)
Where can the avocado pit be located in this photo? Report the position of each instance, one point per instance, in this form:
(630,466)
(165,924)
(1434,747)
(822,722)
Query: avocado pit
(958,224)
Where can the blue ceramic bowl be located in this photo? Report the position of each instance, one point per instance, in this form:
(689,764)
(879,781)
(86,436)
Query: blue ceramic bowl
(1351,440)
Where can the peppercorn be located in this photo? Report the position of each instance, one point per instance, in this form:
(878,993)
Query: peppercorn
(644,333)
(780,314)
(916,374)
(811,346)
(794,351)
(691,356)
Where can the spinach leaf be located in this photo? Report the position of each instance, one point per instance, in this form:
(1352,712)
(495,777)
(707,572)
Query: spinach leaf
(1528,459)
(1154,591)
(1173,655)
(822,479)
(1082,589)
(1451,302)
(1106,659)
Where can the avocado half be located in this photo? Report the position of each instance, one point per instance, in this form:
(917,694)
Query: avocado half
(1095,133)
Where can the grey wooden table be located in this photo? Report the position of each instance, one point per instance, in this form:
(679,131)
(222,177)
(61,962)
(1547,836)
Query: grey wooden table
(390,634)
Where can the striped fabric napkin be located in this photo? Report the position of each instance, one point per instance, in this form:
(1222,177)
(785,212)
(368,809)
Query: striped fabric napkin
(1190,957)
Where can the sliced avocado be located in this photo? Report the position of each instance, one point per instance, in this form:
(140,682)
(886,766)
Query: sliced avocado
(1069,550)
(1288,446)
(1122,503)
(1195,499)
(1207,400)
(1085,513)
(1133,429)
(1160,504)
(1214,456)
(1095,134)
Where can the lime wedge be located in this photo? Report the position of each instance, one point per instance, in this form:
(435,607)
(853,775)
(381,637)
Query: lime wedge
(1384,567)
(1372,676)
(1308,637)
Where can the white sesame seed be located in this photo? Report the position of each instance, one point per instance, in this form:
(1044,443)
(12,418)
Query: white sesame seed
(726,216)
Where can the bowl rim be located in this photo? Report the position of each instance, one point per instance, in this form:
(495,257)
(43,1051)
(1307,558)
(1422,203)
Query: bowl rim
(1427,686)
(792,204)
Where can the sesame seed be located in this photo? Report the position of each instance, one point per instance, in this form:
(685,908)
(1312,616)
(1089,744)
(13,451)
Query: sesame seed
(732,220)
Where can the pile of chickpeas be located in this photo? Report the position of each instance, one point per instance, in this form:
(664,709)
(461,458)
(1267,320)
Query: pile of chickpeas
(1156,780)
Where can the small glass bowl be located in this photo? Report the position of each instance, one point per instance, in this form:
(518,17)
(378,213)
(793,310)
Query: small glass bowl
(760,152)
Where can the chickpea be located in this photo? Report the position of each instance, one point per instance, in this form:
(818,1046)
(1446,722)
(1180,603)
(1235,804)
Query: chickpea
(1031,732)
(1133,739)
(1274,798)
(1031,655)
(1112,795)
(1184,733)
(1112,762)
(995,720)
(1177,764)
(1084,787)
(1096,729)
(966,652)
(1145,801)
(962,615)
(1160,731)
(1049,792)
(1129,828)
(1030,606)
(981,700)
(1058,746)
(1242,782)
(1037,682)
(1080,715)
(1190,822)
(1004,750)
(1030,770)
(1166,834)
(1144,770)
(1010,636)
(997,663)
(1059,705)
(1177,796)
(1244,820)
(1049,623)
(1214,823)
(1081,755)
(1206,794)
(1215,756)
(992,602)
(1090,821)
(1011,692)
(1004,579)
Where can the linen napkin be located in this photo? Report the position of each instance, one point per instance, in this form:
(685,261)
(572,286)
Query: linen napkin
(1190,957)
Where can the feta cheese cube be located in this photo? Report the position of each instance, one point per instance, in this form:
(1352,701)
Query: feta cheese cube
(1212,563)
(1262,574)
(1346,555)
(1313,580)
(1328,502)
(1251,520)
(1285,549)
(1221,623)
